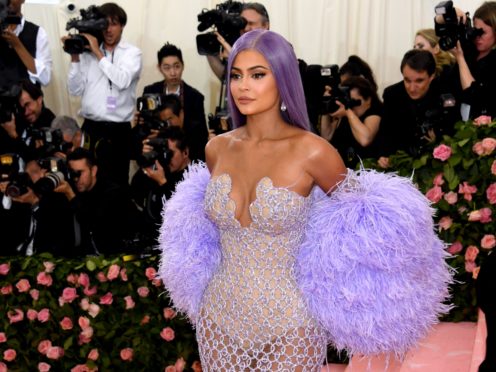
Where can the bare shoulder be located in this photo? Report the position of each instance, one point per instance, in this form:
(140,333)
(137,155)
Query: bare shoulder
(217,146)
(314,146)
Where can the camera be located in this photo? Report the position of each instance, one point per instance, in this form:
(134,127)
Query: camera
(453,29)
(149,107)
(160,152)
(92,22)
(11,172)
(57,172)
(228,22)
(9,102)
(52,139)
(219,122)
(6,18)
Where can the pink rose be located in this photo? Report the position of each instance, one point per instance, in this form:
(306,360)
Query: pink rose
(488,144)
(106,299)
(49,266)
(66,323)
(44,345)
(5,290)
(180,364)
(32,314)
(445,223)
(84,304)
(23,285)
(4,269)
(3,367)
(488,241)
(170,369)
(438,180)
(478,149)
(69,294)
(113,272)
(150,273)
(471,253)
(81,368)
(143,291)
(435,194)
(86,335)
(123,275)
(3,338)
(127,354)
(101,277)
(93,355)
(474,216)
(482,120)
(83,322)
(44,279)
(145,320)
(90,291)
(93,310)
(84,280)
(129,302)
(493,167)
(157,282)
(35,294)
(491,193)
(43,315)
(475,272)
(451,197)
(44,367)
(72,278)
(469,266)
(169,313)
(9,355)
(15,316)
(167,334)
(55,352)
(442,152)
(467,190)
(196,366)
(485,215)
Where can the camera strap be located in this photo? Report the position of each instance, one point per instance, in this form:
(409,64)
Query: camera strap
(111,61)
(111,100)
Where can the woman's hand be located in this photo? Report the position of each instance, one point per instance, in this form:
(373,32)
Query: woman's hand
(156,173)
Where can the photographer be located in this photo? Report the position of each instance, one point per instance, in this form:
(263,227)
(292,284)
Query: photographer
(105,77)
(107,217)
(171,66)
(256,17)
(417,110)
(24,48)
(476,57)
(72,135)
(352,130)
(163,166)
(16,134)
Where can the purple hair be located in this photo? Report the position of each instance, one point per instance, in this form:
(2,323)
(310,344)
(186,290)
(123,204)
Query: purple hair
(284,65)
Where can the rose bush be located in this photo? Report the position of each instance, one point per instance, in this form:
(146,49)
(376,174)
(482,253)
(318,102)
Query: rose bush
(89,314)
(458,175)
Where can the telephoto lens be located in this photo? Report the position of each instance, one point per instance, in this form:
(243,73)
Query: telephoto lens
(48,183)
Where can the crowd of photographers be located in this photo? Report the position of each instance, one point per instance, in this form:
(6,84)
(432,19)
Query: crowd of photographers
(66,189)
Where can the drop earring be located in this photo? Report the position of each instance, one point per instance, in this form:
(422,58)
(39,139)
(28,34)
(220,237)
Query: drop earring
(283,107)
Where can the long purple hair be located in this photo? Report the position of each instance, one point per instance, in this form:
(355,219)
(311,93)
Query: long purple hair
(284,65)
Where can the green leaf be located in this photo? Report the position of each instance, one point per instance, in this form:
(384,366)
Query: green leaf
(68,343)
(91,265)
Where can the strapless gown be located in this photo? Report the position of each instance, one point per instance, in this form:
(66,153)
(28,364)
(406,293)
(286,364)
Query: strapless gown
(253,316)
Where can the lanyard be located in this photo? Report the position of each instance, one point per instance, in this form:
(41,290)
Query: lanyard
(111,61)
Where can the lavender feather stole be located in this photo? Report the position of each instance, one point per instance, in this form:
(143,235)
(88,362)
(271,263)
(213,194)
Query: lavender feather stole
(189,241)
(372,268)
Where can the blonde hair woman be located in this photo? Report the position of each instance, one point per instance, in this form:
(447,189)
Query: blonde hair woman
(428,40)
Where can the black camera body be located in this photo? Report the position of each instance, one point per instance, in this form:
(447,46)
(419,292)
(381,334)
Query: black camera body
(149,107)
(52,139)
(11,172)
(453,29)
(228,22)
(160,152)
(92,22)
(9,102)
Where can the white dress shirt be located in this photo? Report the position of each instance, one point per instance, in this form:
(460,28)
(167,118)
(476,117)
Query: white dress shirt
(43,57)
(115,75)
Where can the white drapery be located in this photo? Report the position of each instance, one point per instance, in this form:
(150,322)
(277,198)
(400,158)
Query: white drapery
(321,31)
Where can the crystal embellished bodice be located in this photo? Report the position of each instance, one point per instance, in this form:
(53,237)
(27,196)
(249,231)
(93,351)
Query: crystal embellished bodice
(254,296)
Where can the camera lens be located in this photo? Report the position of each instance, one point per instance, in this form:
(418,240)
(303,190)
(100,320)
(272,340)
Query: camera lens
(48,183)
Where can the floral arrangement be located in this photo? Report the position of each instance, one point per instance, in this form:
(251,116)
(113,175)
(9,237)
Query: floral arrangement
(95,314)
(459,177)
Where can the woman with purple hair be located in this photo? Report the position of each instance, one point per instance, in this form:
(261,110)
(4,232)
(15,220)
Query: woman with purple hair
(274,249)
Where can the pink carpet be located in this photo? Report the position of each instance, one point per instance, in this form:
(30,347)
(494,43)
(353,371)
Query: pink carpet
(453,347)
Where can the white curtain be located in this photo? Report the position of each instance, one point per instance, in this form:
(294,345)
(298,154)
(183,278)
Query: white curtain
(321,31)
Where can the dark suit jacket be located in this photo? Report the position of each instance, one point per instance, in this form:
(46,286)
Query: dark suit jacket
(195,124)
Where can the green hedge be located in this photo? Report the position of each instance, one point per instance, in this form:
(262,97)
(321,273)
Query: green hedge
(91,313)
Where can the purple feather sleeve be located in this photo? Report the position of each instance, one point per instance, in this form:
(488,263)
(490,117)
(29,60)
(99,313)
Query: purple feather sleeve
(371,268)
(189,242)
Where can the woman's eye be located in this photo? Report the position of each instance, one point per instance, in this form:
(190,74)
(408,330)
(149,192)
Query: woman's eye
(235,76)
(258,75)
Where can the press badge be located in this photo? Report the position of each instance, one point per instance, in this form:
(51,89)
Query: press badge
(111,103)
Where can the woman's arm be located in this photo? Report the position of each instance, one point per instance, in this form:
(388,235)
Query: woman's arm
(328,125)
(364,132)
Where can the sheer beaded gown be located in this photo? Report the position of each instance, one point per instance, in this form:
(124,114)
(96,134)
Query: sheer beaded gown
(253,317)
